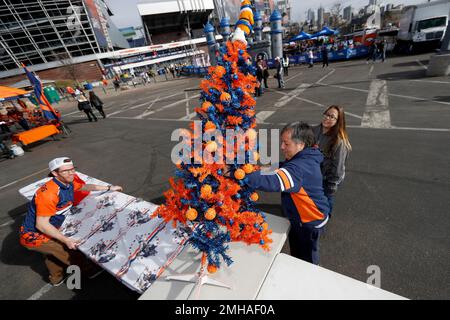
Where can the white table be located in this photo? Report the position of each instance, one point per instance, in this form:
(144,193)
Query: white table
(293,279)
(245,276)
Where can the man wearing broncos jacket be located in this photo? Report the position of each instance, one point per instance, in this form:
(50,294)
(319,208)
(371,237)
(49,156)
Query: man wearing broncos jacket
(299,180)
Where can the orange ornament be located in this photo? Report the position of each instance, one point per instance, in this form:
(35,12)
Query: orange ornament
(248,168)
(210,214)
(251,133)
(205,191)
(225,96)
(239,174)
(191,214)
(254,197)
(206,105)
(211,146)
(210,126)
(265,226)
(212,268)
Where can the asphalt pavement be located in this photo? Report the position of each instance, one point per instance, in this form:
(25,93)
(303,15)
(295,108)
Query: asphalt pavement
(391,211)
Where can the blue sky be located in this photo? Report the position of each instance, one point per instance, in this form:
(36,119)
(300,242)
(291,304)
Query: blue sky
(126,13)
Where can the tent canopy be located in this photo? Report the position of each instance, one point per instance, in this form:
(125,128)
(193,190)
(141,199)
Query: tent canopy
(301,36)
(26,83)
(7,93)
(325,32)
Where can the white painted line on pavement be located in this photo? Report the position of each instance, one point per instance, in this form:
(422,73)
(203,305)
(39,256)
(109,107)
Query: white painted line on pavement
(148,109)
(190,116)
(37,295)
(319,104)
(169,106)
(376,114)
(431,81)
(263,115)
(326,76)
(371,70)
(390,94)
(403,128)
(291,96)
(24,178)
(293,77)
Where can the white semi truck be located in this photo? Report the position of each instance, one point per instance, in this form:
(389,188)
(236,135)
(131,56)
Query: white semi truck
(423,26)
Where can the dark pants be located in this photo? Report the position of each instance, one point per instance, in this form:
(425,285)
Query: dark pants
(265,83)
(304,242)
(89,113)
(5,128)
(58,257)
(6,150)
(100,110)
(286,71)
(325,63)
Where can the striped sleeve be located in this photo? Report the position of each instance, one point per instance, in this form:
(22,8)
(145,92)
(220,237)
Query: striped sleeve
(289,179)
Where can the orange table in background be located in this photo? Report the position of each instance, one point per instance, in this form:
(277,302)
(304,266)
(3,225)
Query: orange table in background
(35,134)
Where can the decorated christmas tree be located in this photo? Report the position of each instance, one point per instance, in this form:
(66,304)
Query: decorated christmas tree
(209,192)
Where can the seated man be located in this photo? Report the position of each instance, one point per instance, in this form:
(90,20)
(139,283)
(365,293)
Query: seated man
(40,228)
(300,181)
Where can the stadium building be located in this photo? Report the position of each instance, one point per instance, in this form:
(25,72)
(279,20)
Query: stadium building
(50,35)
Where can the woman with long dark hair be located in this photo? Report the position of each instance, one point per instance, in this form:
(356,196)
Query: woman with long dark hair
(332,138)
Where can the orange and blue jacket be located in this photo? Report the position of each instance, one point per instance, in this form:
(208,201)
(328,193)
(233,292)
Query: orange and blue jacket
(300,182)
(54,199)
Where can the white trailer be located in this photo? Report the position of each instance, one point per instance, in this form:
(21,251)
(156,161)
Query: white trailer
(423,26)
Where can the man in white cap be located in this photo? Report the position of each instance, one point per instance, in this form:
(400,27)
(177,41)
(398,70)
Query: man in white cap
(40,228)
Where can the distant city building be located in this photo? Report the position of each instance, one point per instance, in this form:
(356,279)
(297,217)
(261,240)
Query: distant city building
(320,17)
(373,2)
(284,7)
(311,17)
(348,13)
(42,33)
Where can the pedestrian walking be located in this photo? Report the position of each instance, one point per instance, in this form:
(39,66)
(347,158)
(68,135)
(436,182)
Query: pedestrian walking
(266,73)
(311,58)
(286,65)
(332,138)
(85,106)
(383,50)
(324,56)
(97,103)
(259,77)
(279,74)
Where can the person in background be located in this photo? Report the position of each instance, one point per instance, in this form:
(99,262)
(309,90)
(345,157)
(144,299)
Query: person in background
(96,103)
(332,138)
(310,58)
(85,106)
(324,52)
(279,75)
(383,50)
(259,76)
(286,65)
(266,73)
